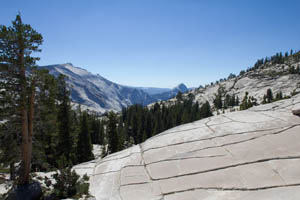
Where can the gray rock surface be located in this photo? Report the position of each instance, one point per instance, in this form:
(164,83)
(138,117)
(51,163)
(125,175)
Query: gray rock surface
(256,83)
(256,86)
(249,155)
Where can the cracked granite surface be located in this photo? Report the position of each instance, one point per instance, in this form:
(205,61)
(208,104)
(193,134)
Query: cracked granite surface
(249,155)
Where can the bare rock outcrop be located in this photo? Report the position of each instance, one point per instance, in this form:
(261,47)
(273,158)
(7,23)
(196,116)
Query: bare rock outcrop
(249,155)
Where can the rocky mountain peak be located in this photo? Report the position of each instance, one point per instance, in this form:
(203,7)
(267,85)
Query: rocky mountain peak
(181,87)
(96,93)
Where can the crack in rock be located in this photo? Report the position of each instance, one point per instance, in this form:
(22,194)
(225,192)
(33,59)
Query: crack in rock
(130,184)
(147,171)
(276,118)
(230,166)
(222,168)
(115,171)
(247,140)
(215,141)
(120,181)
(172,132)
(143,163)
(186,158)
(206,124)
(277,173)
(233,189)
(220,136)
(104,160)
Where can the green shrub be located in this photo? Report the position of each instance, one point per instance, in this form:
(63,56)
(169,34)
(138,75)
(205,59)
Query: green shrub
(83,186)
(69,184)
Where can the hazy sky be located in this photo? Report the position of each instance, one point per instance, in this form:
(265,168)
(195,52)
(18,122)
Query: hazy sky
(160,43)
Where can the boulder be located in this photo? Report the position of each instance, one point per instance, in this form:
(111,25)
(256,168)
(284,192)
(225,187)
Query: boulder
(31,191)
(296,110)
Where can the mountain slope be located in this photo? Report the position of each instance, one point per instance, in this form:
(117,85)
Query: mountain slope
(282,77)
(99,94)
(252,154)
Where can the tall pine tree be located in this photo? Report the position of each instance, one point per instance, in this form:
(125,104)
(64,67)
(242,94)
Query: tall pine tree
(64,146)
(17,43)
(112,134)
(84,144)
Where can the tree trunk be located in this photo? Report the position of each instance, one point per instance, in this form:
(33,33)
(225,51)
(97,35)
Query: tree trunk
(30,123)
(24,173)
(23,179)
(12,171)
(27,141)
(26,126)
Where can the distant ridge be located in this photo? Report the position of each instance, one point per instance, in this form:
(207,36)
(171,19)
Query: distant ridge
(96,93)
(278,73)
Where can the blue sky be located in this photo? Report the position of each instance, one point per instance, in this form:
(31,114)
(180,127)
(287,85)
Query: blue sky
(160,43)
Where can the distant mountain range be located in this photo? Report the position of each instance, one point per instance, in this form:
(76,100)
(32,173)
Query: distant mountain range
(96,93)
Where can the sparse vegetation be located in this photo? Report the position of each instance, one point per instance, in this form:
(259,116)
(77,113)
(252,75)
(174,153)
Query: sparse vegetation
(69,184)
(223,100)
(248,102)
(269,98)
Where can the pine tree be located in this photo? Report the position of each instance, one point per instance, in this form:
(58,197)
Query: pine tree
(45,140)
(218,101)
(205,110)
(113,141)
(269,95)
(227,101)
(158,126)
(84,145)
(17,42)
(149,124)
(195,112)
(237,101)
(10,127)
(9,148)
(101,132)
(64,146)
(264,99)
(244,105)
(95,130)
(286,54)
(179,96)
(279,96)
(121,135)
